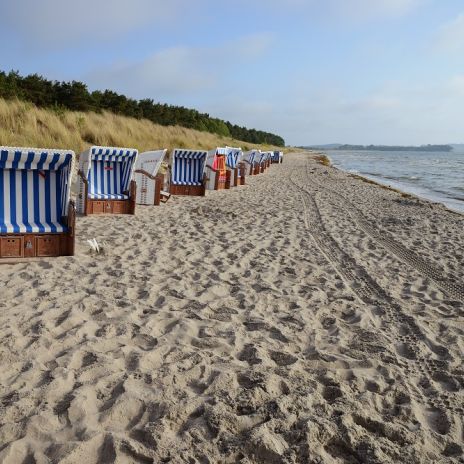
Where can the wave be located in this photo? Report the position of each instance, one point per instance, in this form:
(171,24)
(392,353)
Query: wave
(438,180)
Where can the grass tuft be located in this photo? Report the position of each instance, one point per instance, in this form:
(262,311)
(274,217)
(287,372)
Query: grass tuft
(23,124)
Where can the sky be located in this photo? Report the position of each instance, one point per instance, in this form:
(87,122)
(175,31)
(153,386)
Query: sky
(312,71)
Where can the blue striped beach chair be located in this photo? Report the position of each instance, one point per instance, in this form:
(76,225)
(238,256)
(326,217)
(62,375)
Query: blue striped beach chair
(106,184)
(187,172)
(235,166)
(149,179)
(250,159)
(277,157)
(261,162)
(37,217)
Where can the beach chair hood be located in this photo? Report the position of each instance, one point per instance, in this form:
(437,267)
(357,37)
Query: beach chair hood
(109,171)
(150,161)
(35,186)
(148,178)
(234,156)
(250,156)
(188,167)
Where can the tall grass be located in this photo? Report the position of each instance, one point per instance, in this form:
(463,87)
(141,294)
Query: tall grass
(23,124)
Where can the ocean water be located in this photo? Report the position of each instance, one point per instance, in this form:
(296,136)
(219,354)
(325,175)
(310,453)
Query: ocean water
(436,176)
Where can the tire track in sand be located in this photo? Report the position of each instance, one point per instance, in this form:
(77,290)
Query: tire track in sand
(368,291)
(448,286)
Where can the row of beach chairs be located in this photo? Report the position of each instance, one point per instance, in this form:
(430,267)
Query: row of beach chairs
(38,216)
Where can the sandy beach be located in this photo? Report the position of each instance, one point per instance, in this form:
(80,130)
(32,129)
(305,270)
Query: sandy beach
(307,317)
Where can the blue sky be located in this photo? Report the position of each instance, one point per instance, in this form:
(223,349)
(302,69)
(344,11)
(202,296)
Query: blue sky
(313,71)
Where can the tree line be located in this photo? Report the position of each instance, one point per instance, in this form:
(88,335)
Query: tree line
(75,96)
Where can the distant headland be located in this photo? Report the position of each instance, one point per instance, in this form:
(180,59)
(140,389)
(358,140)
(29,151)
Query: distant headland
(346,147)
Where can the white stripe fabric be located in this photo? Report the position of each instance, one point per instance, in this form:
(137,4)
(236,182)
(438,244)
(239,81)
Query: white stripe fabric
(110,172)
(234,155)
(188,167)
(34,189)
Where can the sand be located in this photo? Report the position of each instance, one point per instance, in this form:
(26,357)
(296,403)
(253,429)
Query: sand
(307,317)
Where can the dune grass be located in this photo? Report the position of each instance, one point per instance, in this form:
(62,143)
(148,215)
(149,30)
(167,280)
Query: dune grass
(23,124)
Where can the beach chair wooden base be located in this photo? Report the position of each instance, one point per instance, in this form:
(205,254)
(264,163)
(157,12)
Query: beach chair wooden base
(220,179)
(109,206)
(40,245)
(191,190)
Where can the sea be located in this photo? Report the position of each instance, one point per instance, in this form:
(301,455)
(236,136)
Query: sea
(435,176)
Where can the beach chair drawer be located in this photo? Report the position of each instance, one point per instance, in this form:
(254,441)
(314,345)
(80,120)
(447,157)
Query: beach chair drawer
(98,207)
(11,247)
(48,245)
(120,207)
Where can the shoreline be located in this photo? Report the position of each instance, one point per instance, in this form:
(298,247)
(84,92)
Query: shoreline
(400,188)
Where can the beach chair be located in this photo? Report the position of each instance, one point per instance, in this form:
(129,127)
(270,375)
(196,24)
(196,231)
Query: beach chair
(236,166)
(277,157)
(260,162)
(106,184)
(249,158)
(269,159)
(217,177)
(37,217)
(187,172)
(149,179)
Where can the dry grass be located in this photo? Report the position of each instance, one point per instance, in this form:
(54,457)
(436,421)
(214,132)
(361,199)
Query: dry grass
(23,124)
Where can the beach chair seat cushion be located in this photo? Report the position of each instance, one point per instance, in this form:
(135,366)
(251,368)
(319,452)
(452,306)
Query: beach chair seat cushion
(31,201)
(187,183)
(108,196)
(32,227)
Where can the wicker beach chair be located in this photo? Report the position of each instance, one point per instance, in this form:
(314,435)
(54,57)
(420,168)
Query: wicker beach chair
(149,179)
(250,160)
(277,157)
(260,162)
(37,217)
(217,176)
(235,166)
(106,184)
(187,172)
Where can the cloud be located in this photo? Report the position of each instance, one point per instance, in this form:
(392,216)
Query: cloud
(451,36)
(369,9)
(352,9)
(456,86)
(175,73)
(394,113)
(59,23)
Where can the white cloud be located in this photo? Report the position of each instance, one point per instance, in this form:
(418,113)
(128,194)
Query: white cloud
(352,9)
(59,23)
(456,86)
(368,9)
(451,36)
(395,113)
(179,72)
